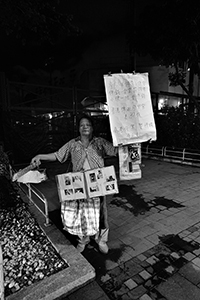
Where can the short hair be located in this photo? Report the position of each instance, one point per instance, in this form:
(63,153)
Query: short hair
(84,116)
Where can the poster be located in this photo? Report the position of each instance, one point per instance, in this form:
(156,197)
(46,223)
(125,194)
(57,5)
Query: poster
(130,108)
(129,162)
(90,183)
(71,186)
(101,182)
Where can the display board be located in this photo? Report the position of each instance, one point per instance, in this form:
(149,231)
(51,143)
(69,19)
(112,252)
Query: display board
(90,183)
(130,108)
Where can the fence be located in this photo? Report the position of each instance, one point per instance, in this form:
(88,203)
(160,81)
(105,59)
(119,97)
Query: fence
(38,118)
(179,155)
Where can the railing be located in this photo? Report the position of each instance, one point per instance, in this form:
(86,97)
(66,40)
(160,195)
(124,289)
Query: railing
(33,190)
(183,155)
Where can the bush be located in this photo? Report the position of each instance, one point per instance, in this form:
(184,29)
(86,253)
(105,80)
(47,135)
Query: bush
(178,127)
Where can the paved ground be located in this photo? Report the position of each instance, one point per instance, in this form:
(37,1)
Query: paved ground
(154,238)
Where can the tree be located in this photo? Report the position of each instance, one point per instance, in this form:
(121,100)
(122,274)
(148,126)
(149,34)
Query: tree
(34,21)
(169,30)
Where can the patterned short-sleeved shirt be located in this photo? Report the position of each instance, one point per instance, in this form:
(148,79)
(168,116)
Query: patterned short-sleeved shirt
(94,153)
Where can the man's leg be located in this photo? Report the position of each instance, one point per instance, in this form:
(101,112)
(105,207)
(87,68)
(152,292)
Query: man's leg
(82,242)
(102,237)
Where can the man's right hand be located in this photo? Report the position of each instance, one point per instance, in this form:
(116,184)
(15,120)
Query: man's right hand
(35,161)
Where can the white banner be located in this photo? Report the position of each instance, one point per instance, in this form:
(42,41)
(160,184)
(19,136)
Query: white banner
(130,108)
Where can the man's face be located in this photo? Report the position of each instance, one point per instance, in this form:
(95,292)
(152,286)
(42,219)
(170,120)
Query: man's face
(85,127)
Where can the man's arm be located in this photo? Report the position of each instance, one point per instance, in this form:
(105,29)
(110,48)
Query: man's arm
(36,160)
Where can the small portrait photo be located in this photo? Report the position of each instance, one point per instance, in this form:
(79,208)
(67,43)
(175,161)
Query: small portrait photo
(76,178)
(99,174)
(110,178)
(67,180)
(94,189)
(133,153)
(68,192)
(110,187)
(78,191)
(92,177)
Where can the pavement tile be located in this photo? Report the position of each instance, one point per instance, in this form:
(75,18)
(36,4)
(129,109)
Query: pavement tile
(150,270)
(144,264)
(196,252)
(192,229)
(131,284)
(124,257)
(145,275)
(130,239)
(131,251)
(141,257)
(120,292)
(143,246)
(196,261)
(90,291)
(154,217)
(131,268)
(138,279)
(126,296)
(110,264)
(189,256)
(154,238)
(191,272)
(177,287)
(170,269)
(152,260)
(105,278)
(175,255)
(145,297)
(195,234)
(137,292)
(197,240)
(190,238)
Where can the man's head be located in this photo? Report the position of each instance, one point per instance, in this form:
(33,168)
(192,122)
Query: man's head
(85,125)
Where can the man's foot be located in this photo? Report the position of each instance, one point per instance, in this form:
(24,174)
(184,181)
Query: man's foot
(103,247)
(80,247)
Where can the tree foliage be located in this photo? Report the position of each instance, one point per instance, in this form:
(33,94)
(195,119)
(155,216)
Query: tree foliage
(34,20)
(169,30)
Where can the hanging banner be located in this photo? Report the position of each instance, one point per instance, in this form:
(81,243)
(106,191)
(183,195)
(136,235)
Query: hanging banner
(129,162)
(130,108)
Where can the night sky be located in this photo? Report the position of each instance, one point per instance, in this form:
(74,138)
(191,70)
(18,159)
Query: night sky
(96,20)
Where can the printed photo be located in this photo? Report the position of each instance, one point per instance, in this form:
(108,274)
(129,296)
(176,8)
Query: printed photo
(110,178)
(92,177)
(76,178)
(99,174)
(78,191)
(110,187)
(133,153)
(68,192)
(94,189)
(67,180)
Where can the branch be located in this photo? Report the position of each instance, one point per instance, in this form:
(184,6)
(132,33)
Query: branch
(186,90)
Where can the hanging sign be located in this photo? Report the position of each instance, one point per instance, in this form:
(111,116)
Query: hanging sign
(130,108)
